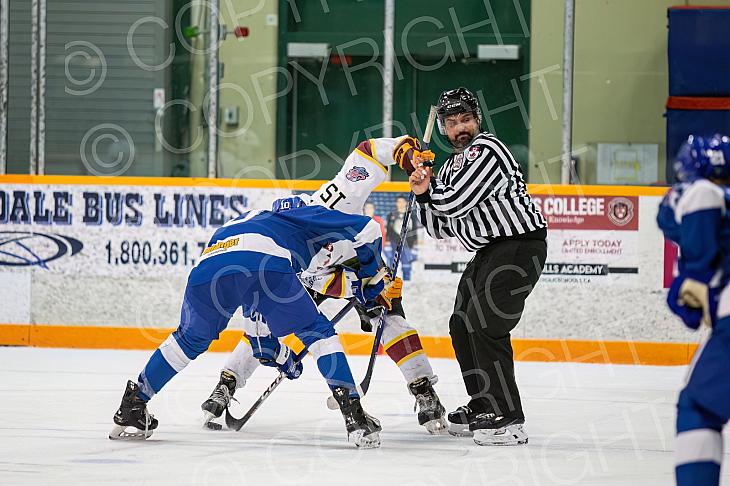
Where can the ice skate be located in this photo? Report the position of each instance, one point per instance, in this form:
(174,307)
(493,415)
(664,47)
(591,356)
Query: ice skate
(218,400)
(459,421)
(430,411)
(132,413)
(362,429)
(489,429)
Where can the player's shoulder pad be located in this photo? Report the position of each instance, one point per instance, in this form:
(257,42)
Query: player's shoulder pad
(701,195)
(673,194)
(311,211)
(365,147)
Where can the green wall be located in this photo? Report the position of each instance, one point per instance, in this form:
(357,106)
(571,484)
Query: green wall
(431,57)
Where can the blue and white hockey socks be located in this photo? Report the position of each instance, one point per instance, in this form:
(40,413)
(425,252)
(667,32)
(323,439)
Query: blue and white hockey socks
(699,445)
(169,359)
(333,364)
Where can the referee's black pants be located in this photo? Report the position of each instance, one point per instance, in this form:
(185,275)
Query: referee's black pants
(489,303)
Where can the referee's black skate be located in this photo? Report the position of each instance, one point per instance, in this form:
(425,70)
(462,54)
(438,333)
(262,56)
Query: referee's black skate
(218,400)
(132,413)
(460,419)
(489,429)
(430,411)
(362,429)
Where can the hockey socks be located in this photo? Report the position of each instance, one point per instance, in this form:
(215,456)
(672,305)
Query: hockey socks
(699,447)
(336,371)
(402,345)
(407,353)
(173,355)
(331,362)
(698,457)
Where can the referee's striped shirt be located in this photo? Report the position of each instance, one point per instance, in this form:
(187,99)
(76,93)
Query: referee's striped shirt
(479,195)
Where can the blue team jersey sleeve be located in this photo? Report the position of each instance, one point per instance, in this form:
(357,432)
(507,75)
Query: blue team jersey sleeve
(666,216)
(699,213)
(329,225)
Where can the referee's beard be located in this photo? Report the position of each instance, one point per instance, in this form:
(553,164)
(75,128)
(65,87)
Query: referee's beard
(462,140)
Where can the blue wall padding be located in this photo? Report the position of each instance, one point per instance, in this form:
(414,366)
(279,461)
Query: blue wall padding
(699,51)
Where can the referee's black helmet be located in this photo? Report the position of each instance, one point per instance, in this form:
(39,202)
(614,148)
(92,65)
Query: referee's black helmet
(453,101)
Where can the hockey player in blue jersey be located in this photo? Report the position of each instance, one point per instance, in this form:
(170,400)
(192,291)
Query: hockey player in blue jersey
(364,169)
(253,261)
(694,214)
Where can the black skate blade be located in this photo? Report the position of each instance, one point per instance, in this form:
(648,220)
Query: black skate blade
(119,432)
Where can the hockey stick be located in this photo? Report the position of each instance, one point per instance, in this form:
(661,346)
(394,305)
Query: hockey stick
(236,423)
(365,384)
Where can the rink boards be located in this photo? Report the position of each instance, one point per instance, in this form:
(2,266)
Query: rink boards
(101,262)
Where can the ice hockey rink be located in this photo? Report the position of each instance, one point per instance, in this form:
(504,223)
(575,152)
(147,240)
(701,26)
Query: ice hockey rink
(588,424)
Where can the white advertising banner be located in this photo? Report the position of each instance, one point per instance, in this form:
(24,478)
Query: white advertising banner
(135,231)
(591,240)
(119,255)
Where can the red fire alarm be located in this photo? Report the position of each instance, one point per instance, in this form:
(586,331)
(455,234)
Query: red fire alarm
(241,32)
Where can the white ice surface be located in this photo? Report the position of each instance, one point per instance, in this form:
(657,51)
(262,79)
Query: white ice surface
(588,424)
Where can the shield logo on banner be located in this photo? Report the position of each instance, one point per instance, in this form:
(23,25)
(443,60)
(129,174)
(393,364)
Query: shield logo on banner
(620,211)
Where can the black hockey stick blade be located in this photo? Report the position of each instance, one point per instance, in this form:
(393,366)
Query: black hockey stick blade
(236,424)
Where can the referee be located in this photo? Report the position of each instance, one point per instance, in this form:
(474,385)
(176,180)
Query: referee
(480,197)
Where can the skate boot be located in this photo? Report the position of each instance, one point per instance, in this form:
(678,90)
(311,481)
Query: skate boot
(489,429)
(430,411)
(459,421)
(219,400)
(362,429)
(132,413)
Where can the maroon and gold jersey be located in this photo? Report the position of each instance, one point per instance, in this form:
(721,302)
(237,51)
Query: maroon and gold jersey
(364,169)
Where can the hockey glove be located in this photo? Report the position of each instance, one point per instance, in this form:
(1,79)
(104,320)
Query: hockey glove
(270,352)
(406,150)
(696,295)
(392,289)
(367,294)
(694,302)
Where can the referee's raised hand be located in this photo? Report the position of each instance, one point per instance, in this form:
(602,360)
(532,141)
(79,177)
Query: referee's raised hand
(420,178)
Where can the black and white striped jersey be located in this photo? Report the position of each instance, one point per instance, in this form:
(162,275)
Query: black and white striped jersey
(479,195)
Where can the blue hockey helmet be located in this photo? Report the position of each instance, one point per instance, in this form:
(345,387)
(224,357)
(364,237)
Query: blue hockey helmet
(703,158)
(287,203)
